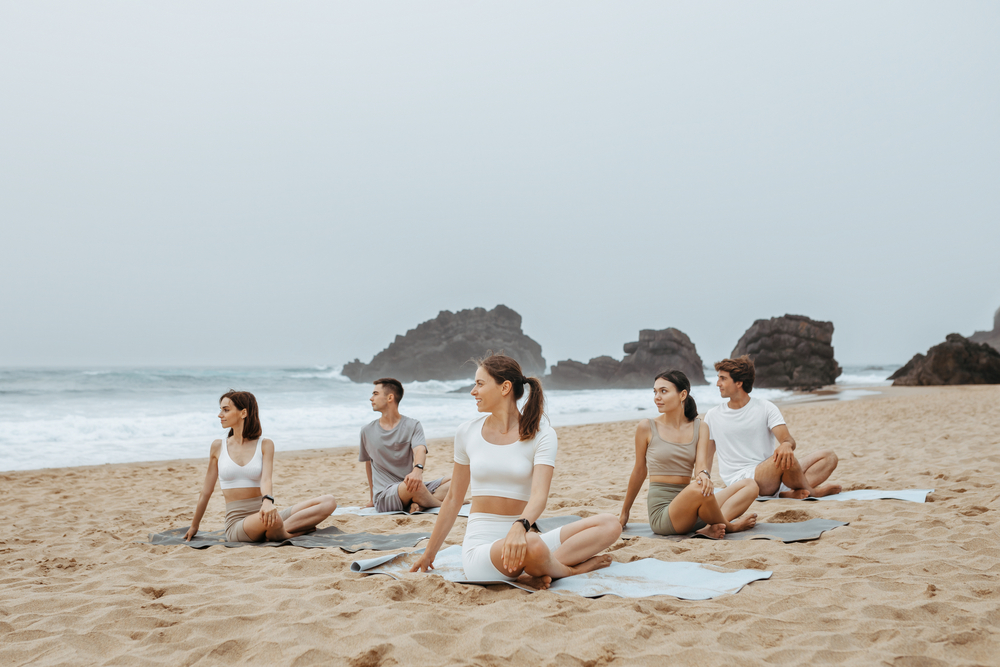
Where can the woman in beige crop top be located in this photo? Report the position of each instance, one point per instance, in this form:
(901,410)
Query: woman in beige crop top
(668,448)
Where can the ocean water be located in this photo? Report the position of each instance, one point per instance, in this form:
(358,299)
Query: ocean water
(71,417)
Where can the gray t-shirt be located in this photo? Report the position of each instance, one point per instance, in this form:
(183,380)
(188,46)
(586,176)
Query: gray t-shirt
(391,452)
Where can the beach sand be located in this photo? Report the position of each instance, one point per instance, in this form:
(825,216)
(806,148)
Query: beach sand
(905,584)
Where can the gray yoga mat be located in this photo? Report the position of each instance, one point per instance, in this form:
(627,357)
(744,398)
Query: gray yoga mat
(638,579)
(801,531)
(911,495)
(371,511)
(324,538)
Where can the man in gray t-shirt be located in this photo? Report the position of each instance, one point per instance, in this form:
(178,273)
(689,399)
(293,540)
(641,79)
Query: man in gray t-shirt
(394,451)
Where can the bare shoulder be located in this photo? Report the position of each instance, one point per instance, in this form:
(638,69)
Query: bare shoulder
(215,448)
(267,445)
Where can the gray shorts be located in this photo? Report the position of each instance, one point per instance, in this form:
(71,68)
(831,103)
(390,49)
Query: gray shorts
(388,500)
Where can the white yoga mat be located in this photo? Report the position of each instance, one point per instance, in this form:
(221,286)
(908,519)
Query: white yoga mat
(638,579)
(371,511)
(911,495)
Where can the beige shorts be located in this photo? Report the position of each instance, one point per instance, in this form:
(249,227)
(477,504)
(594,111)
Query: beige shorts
(238,510)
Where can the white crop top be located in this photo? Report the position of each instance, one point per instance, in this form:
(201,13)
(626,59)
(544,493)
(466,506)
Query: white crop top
(233,476)
(503,470)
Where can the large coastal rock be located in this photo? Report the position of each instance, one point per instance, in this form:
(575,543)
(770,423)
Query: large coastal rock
(790,352)
(440,349)
(957,360)
(991,338)
(653,353)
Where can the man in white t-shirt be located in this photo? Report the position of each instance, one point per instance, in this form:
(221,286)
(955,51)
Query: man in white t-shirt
(752,440)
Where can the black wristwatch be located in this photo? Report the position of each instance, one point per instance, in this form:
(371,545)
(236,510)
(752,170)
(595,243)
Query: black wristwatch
(525,523)
(417,465)
(271,498)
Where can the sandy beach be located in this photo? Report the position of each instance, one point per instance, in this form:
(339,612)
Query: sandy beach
(904,584)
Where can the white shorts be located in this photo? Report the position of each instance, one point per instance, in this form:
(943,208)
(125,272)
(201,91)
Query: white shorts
(481,531)
(748,473)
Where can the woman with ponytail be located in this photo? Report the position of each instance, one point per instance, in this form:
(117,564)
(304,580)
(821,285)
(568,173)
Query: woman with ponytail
(668,448)
(508,458)
(242,461)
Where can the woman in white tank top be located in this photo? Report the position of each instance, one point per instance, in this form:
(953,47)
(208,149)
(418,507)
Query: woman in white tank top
(242,462)
(508,457)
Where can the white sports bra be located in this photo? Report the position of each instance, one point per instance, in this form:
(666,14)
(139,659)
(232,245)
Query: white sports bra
(503,470)
(233,476)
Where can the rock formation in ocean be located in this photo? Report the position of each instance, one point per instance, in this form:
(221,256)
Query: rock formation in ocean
(653,353)
(991,338)
(957,360)
(440,349)
(790,352)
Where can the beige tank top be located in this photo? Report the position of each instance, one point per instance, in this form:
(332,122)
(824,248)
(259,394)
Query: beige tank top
(671,458)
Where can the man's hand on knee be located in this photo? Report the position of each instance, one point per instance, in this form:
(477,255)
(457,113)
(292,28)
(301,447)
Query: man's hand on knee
(784,457)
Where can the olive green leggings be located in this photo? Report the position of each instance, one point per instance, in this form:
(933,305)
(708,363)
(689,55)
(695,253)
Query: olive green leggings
(657,502)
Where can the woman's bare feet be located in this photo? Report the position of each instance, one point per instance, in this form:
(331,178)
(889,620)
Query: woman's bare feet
(716,531)
(541,583)
(596,563)
(745,522)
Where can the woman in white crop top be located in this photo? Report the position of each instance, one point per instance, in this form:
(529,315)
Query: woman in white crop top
(508,458)
(669,448)
(242,462)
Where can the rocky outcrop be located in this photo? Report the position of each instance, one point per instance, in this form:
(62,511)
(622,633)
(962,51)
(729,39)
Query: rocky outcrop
(790,352)
(653,353)
(440,349)
(991,338)
(957,360)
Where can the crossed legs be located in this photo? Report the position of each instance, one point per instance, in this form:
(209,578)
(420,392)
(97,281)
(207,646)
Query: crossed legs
(719,510)
(805,478)
(422,497)
(581,542)
(304,517)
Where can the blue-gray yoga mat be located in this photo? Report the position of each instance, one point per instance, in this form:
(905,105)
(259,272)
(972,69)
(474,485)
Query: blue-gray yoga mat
(371,511)
(638,579)
(911,495)
(800,531)
(324,538)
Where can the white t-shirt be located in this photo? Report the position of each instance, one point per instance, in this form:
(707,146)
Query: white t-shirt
(743,437)
(503,470)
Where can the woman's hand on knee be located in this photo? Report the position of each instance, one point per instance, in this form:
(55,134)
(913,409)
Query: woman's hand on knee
(704,484)
(515,546)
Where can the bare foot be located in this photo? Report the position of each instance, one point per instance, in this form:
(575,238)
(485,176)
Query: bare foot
(414,508)
(541,583)
(797,494)
(745,522)
(826,490)
(591,564)
(716,531)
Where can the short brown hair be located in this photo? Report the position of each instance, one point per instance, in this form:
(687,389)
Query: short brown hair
(393,386)
(740,369)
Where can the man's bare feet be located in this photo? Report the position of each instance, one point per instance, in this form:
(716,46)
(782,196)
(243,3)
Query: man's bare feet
(591,564)
(797,494)
(716,531)
(745,522)
(541,583)
(826,490)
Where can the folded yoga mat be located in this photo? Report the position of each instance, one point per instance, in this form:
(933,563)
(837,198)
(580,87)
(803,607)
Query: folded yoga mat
(801,531)
(371,511)
(641,578)
(912,495)
(324,538)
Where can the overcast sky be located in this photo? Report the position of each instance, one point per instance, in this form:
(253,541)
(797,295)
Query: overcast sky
(242,183)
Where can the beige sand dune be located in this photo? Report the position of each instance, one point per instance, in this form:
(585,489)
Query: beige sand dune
(905,584)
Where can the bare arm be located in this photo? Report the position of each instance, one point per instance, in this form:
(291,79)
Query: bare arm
(268,512)
(416,476)
(371,494)
(211,476)
(638,476)
(703,461)
(460,478)
(515,545)
(783,456)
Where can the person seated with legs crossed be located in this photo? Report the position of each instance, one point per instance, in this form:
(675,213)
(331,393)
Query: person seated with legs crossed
(753,442)
(669,448)
(394,450)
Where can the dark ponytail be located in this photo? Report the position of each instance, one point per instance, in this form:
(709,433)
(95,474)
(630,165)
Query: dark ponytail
(679,380)
(505,369)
